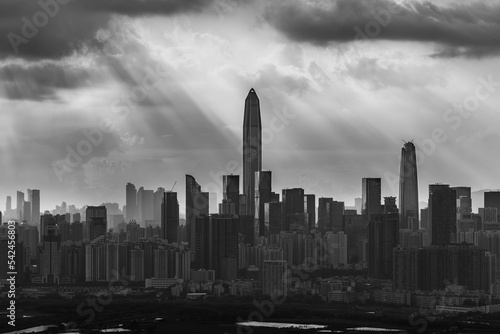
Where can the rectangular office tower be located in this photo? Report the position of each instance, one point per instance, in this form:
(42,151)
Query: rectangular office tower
(293,207)
(231,191)
(492,200)
(96,220)
(252,149)
(408,187)
(50,252)
(223,246)
(383,234)
(20,205)
(169,216)
(197,204)
(35,207)
(442,214)
(310,210)
(262,195)
(131,202)
(330,215)
(371,196)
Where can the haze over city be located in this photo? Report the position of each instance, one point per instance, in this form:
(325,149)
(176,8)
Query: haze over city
(350,97)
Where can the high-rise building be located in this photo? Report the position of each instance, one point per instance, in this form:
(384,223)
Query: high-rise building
(276,282)
(330,215)
(50,254)
(223,246)
(137,264)
(293,203)
(8,208)
(35,207)
(27,212)
(131,202)
(372,196)
(197,204)
(202,242)
(310,209)
(408,187)
(390,205)
(262,195)
(492,200)
(252,149)
(20,205)
(227,207)
(170,216)
(464,200)
(442,214)
(145,206)
(231,190)
(336,249)
(272,217)
(96,221)
(382,239)
(424,219)
(157,201)
(434,267)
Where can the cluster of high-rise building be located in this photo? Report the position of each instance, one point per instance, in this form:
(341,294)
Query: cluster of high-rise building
(262,234)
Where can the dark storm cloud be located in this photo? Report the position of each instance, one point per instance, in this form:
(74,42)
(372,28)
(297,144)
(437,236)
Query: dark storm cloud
(67,26)
(40,82)
(469,29)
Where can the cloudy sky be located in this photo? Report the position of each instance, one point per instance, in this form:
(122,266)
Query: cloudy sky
(159,86)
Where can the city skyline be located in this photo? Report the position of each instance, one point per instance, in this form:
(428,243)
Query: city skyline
(188,165)
(335,103)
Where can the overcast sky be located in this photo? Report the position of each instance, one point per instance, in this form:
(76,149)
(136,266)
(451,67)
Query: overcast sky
(339,91)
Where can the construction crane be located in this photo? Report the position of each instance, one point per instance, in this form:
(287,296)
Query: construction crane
(173,186)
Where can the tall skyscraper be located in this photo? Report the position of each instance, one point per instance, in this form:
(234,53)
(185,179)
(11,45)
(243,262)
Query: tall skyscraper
(223,246)
(35,207)
(197,204)
(231,190)
(131,202)
(382,239)
(262,195)
(170,216)
(372,196)
(408,187)
(252,149)
(20,205)
(442,214)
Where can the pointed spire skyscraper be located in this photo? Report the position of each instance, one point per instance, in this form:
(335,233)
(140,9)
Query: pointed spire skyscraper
(252,149)
(408,188)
